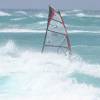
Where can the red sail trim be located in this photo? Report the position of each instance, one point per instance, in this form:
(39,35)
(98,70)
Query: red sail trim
(51,15)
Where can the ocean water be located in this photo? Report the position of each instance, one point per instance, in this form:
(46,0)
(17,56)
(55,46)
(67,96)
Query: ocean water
(26,74)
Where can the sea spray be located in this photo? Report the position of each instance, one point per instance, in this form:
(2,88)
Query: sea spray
(34,75)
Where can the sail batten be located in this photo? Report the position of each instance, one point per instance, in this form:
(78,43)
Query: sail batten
(56,32)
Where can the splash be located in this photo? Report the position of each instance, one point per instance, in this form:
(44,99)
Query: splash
(32,75)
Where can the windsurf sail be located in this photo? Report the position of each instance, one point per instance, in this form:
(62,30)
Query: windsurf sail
(56,36)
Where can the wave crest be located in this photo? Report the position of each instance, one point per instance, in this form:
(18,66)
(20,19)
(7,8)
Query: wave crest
(41,15)
(2,13)
(20,30)
(87,15)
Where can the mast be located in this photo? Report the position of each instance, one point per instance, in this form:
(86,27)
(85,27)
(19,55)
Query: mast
(49,18)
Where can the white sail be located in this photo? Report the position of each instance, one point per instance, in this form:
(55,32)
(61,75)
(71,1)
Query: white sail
(56,36)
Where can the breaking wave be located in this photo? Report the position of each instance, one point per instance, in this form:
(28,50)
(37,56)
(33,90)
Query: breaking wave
(83,31)
(41,15)
(76,10)
(2,13)
(32,75)
(86,15)
(21,12)
(18,30)
(81,15)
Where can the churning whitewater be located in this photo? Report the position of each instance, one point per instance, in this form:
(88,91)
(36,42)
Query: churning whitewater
(26,74)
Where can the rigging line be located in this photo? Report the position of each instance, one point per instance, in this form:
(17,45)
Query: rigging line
(57,21)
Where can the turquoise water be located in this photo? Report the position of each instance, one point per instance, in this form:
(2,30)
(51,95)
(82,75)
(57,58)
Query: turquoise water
(25,73)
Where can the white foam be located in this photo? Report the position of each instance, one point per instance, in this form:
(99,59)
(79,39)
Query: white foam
(73,11)
(26,30)
(41,15)
(87,15)
(42,22)
(9,48)
(20,30)
(21,12)
(80,15)
(83,31)
(32,75)
(2,13)
(76,10)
